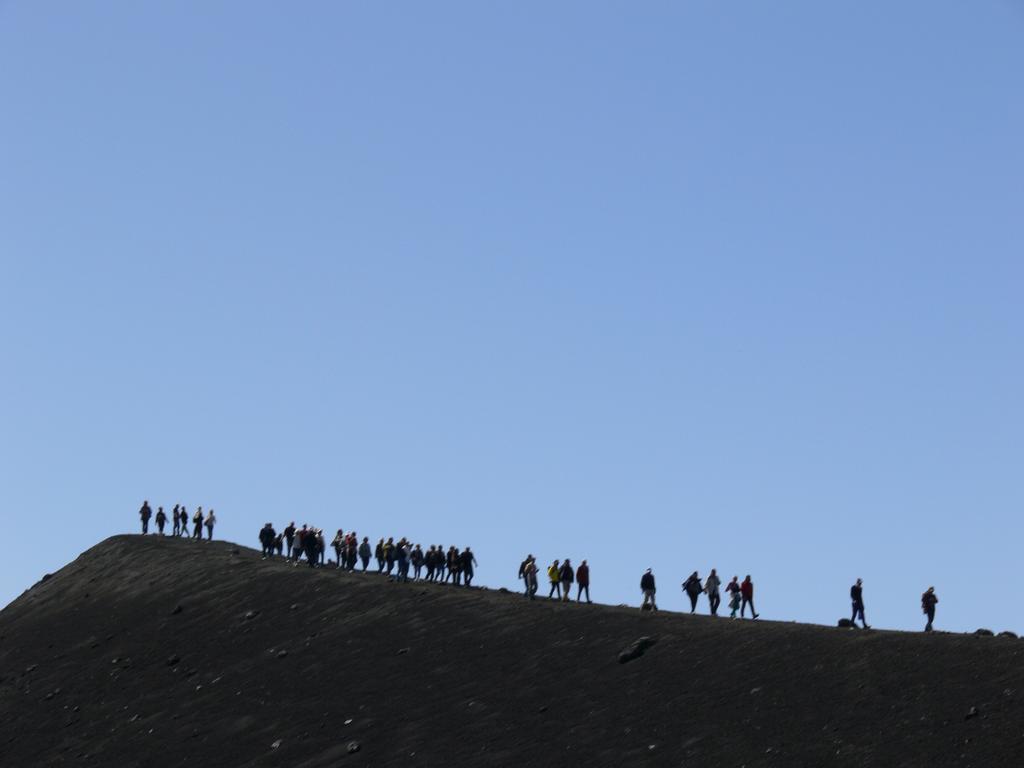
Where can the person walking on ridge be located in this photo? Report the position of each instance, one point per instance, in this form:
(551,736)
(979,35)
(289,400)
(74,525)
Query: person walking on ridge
(711,589)
(417,560)
(733,588)
(402,560)
(351,550)
(183,531)
(468,562)
(648,589)
(857,598)
(554,578)
(144,514)
(566,575)
(522,574)
(197,522)
(267,536)
(429,561)
(455,565)
(928,602)
(365,552)
(389,554)
(289,537)
(529,569)
(338,543)
(211,520)
(747,595)
(175,522)
(583,581)
(693,589)
(161,520)
(298,545)
(309,544)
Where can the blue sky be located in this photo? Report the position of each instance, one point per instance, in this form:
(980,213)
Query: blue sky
(679,285)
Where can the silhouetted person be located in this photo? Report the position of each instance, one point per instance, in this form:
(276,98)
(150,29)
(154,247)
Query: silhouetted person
(402,559)
(416,559)
(522,573)
(301,535)
(711,589)
(365,552)
(321,546)
(175,522)
(267,536)
(468,562)
(733,589)
(693,588)
(648,589)
(567,576)
(279,544)
(197,522)
(289,537)
(857,598)
(144,514)
(430,562)
(448,565)
(161,520)
(583,581)
(309,545)
(928,602)
(338,542)
(747,598)
(183,530)
(389,554)
(211,520)
(455,565)
(529,569)
(352,550)
(554,577)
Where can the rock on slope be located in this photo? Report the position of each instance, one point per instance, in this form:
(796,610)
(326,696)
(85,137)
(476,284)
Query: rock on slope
(165,652)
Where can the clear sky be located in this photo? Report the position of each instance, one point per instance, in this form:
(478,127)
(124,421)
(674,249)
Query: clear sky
(671,285)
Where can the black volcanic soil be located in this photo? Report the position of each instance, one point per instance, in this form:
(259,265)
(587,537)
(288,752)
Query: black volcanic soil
(265,664)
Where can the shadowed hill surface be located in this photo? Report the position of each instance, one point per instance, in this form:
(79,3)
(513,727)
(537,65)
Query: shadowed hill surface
(166,652)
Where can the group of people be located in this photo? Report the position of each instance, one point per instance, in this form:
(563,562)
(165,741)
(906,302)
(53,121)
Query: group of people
(292,543)
(741,594)
(436,564)
(561,577)
(179,521)
(440,565)
(395,559)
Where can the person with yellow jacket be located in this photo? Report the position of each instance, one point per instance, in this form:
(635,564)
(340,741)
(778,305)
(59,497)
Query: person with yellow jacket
(554,576)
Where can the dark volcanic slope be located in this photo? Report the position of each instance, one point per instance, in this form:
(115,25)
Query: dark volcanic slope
(98,667)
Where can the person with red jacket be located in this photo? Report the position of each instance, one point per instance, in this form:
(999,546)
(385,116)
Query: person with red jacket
(747,598)
(583,581)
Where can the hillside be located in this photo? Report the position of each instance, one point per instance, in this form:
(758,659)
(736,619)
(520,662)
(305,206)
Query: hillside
(164,652)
